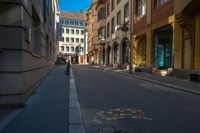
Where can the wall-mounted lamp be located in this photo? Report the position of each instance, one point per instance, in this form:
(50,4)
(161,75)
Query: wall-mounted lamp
(124,27)
(1,50)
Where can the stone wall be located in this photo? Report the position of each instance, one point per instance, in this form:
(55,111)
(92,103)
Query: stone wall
(21,67)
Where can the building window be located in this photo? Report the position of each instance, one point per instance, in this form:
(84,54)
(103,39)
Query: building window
(63,30)
(71,22)
(72,40)
(67,48)
(108,9)
(82,32)
(72,49)
(63,39)
(118,19)
(113,5)
(101,14)
(81,49)
(118,1)
(72,31)
(113,25)
(108,29)
(82,40)
(81,23)
(126,13)
(36,34)
(77,40)
(62,48)
(76,23)
(141,8)
(67,31)
(67,39)
(160,2)
(77,32)
(102,34)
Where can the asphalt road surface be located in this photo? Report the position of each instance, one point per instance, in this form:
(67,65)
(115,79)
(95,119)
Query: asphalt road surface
(114,103)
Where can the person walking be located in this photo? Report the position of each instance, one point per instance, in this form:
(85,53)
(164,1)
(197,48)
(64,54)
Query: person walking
(68,68)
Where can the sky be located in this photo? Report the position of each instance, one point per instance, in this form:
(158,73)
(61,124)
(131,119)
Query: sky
(74,5)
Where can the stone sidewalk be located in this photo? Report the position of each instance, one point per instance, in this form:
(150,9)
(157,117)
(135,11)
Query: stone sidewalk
(179,84)
(45,112)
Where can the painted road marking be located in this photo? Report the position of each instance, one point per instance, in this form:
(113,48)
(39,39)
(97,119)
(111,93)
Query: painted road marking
(75,118)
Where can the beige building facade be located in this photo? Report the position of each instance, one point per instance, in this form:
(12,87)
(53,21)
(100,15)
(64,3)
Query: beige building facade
(92,29)
(187,37)
(110,21)
(155,36)
(165,37)
(118,33)
(152,36)
(26,46)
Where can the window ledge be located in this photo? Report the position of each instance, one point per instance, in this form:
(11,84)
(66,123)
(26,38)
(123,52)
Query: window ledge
(36,55)
(157,8)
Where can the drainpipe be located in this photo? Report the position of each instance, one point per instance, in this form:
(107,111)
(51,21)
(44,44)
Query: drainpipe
(131,29)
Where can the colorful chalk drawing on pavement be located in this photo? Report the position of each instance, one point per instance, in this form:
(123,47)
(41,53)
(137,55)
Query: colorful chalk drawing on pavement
(120,120)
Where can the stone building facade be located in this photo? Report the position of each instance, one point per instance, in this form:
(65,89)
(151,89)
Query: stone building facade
(111,39)
(27,46)
(163,35)
(92,29)
(187,38)
(152,35)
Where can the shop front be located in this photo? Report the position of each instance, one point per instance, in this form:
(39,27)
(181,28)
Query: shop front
(163,48)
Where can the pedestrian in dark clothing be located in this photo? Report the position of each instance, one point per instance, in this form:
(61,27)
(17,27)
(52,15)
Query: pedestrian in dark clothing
(68,68)
(92,63)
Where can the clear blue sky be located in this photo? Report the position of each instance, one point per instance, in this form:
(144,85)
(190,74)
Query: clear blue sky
(74,5)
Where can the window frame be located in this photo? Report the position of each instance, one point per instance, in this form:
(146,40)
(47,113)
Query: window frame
(126,6)
(113,25)
(141,8)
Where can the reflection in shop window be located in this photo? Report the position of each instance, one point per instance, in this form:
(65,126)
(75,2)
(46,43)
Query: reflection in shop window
(160,2)
(141,8)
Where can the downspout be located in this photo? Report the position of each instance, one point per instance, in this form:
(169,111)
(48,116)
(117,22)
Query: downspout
(131,30)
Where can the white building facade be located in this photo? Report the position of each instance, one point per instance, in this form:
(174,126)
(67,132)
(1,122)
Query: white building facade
(73,42)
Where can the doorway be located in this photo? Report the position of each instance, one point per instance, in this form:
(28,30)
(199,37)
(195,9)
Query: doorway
(163,47)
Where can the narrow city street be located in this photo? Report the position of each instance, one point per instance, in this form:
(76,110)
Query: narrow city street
(100,101)
(100,66)
(114,103)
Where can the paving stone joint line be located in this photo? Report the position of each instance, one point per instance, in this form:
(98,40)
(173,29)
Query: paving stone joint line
(76,124)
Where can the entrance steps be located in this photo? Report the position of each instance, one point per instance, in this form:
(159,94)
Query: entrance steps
(160,72)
